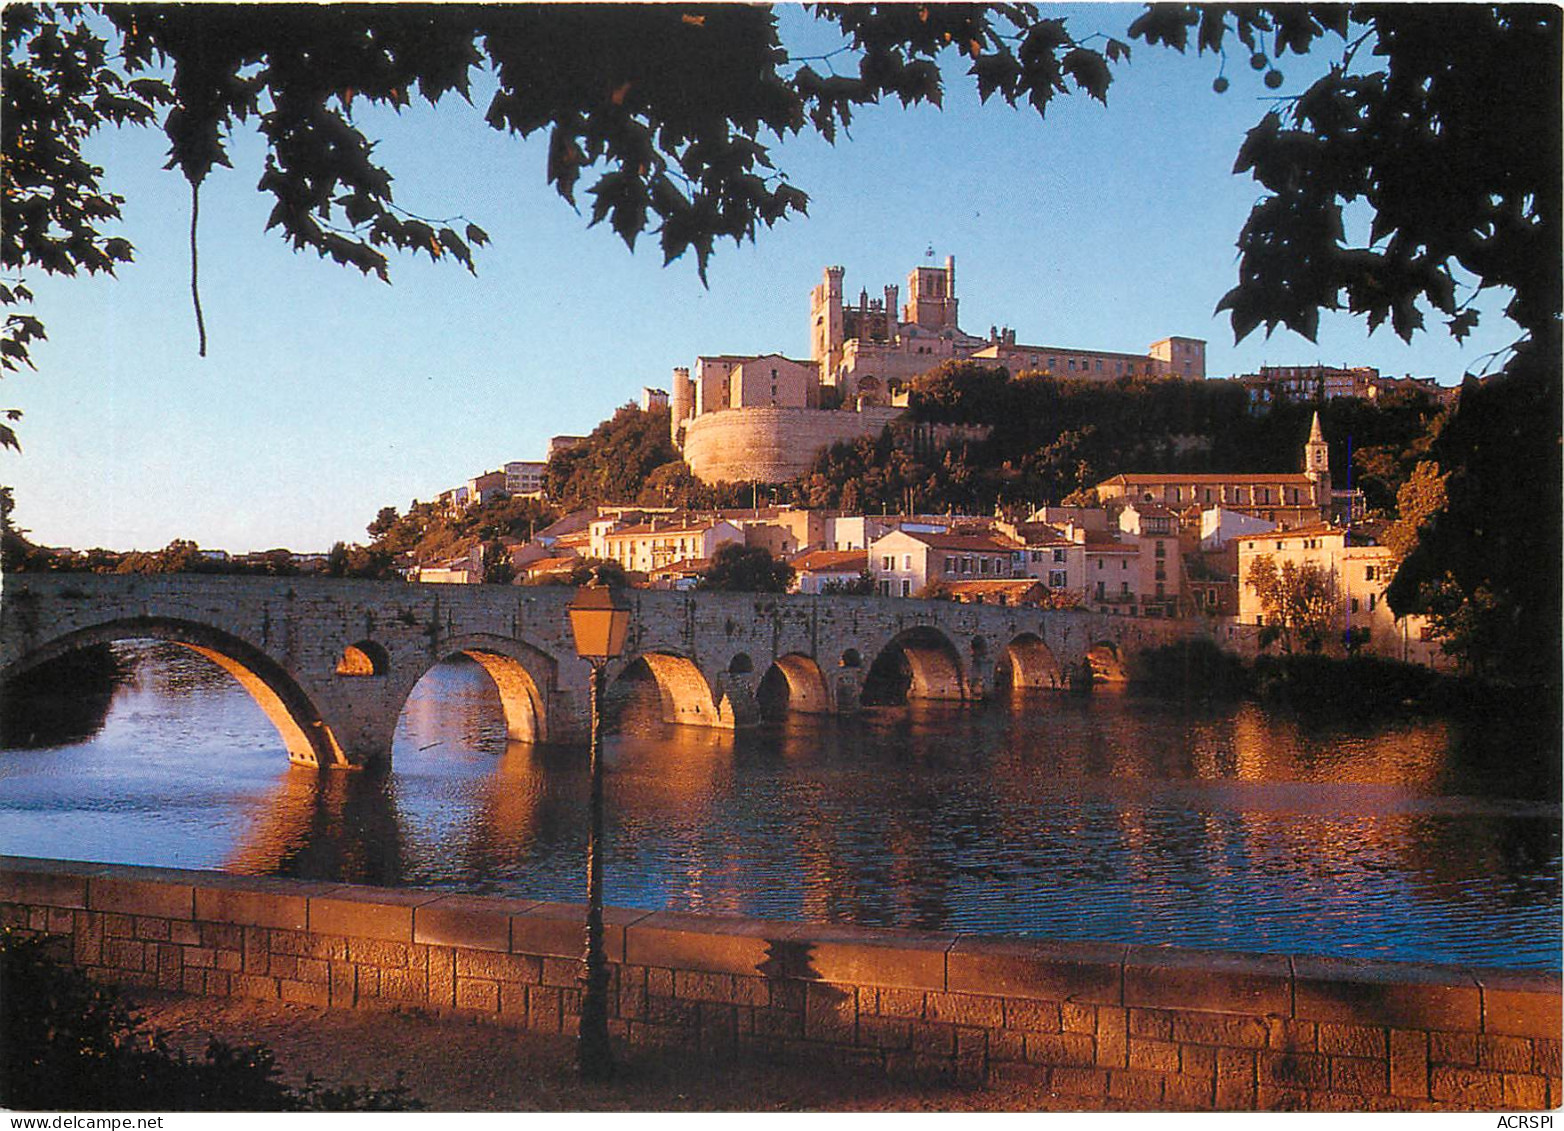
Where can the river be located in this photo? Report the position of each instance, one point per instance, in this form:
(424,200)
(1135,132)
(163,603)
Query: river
(1112,817)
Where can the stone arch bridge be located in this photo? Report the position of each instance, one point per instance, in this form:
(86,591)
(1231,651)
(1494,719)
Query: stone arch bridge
(331,662)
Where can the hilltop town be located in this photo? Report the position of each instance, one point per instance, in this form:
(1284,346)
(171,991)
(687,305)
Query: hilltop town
(1133,543)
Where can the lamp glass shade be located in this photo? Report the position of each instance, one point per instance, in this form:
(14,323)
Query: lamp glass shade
(599,622)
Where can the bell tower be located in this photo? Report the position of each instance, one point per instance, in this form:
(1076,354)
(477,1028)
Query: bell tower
(1316,462)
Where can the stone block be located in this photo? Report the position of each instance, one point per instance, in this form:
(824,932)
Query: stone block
(477,995)
(119,926)
(1079,1081)
(885,1032)
(1529,1093)
(1155,1056)
(965,1009)
(1077,1018)
(1236,1078)
(1063,1049)
(410,986)
(1006,1045)
(780,1023)
(124,954)
(185,934)
(565,972)
(558,930)
(703,987)
(51,883)
(497,967)
(257,951)
(1112,1037)
(830,1012)
(87,945)
(1382,994)
(1409,1063)
(470,921)
(1221,981)
(1189,1093)
(254,902)
(937,1041)
(1291,1036)
(379,952)
(61,921)
(1467,1087)
(442,978)
(1197,1060)
(704,944)
(1521,1003)
(1077,972)
(1034,1016)
(1352,1040)
(1453,1048)
(126,896)
(1294,1069)
(1504,1054)
(1546,1057)
(367,913)
(1141,1088)
(899,1003)
(305,993)
(1360,1075)
(907,959)
(250,985)
(1155,1024)
(544,1011)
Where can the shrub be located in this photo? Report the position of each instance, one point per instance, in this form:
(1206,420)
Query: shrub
(67,1043)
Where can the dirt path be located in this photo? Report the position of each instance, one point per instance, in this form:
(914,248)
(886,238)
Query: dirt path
(457,1065)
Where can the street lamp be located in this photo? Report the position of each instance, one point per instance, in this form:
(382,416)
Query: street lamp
(599,621)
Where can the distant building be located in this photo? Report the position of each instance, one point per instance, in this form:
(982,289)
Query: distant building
(653,399)
(559,444)
(1360,570)
(763,417)
(815,569)
(1287,498)
(485,488)
(525,477)
(905,562)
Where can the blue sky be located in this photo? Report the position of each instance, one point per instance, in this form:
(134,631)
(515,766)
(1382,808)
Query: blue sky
(325,396)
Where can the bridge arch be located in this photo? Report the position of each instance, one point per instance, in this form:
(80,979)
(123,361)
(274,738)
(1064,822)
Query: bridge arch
(682,687)
(919,663)
(520,674)
(1027,662)
(305,735)
(1106,662)
(793,682)
(366,658)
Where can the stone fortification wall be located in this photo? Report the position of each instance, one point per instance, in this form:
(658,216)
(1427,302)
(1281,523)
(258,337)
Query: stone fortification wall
(1148,1026)
(771,445)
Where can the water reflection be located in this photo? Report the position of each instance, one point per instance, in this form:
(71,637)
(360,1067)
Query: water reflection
(1110,817)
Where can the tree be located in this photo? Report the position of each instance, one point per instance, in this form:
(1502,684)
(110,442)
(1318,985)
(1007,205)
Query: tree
(737,568)
(1299,603)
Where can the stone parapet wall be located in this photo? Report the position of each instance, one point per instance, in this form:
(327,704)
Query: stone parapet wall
(1149,1026)
(771,445)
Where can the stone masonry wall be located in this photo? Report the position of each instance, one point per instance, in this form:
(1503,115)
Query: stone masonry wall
(1148,1026)
(771,445)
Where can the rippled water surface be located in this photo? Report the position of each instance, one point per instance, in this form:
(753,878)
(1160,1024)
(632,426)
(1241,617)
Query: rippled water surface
(1111,817)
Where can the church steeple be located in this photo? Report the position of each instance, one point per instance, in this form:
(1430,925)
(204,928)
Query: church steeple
(1316,462)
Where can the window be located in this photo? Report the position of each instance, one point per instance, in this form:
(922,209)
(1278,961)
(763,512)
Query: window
(1162,549)
(888,562)
(966,565)
(1057,579)
(982,565)
(906,561)
(1037,555)
(906,587)
(1354,604)
(1058,556)
(950,565)
(1124,588)
(1372,598)
(1368,573)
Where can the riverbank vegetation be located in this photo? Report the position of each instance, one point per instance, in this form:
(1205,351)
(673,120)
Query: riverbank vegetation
(70,1044)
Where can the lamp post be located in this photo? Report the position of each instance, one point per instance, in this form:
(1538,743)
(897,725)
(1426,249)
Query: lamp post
(599,621)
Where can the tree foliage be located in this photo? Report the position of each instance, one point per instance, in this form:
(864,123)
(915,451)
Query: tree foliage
(1300,603)
(737,568)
